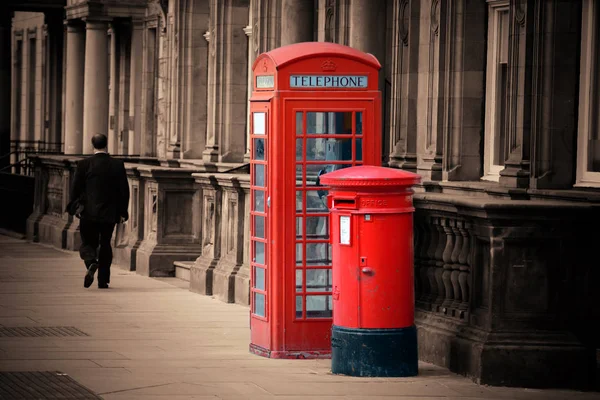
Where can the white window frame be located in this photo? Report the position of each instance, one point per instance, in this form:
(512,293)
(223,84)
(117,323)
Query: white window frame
(491,171)
(588,103)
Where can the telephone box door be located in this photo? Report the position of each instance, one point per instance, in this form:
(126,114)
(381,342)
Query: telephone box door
(328,136)
(260,153)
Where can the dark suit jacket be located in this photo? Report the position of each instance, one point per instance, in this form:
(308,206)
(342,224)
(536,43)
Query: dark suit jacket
(100,186)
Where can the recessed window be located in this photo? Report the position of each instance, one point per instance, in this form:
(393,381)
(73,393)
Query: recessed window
(495,152)
(588,149)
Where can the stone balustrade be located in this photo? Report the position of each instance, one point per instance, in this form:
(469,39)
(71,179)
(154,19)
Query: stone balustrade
(175,215)
(498,280)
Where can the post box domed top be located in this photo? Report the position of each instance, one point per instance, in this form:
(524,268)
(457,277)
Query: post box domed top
(369,176)
(284,55)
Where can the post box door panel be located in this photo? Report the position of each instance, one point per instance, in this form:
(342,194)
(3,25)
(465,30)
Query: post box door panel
(347,276)
(386,297)
(328,136)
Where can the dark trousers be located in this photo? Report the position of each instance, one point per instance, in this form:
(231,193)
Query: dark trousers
(95,246)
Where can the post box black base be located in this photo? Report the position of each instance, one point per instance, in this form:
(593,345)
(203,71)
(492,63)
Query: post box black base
(374,352)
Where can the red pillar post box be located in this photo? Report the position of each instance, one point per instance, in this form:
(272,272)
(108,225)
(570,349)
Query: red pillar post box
(371,221)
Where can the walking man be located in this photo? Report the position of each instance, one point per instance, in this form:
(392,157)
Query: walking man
(99,197)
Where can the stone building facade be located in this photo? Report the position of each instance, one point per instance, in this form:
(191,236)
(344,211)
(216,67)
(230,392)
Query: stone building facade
(494,102)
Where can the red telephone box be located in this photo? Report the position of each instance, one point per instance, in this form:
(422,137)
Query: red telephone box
(315,108)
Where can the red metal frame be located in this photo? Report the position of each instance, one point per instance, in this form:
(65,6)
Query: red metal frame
(279,332)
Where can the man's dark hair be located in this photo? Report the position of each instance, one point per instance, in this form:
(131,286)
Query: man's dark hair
(99,141)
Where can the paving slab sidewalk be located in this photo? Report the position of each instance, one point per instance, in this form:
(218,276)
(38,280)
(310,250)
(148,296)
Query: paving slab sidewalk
(151,339)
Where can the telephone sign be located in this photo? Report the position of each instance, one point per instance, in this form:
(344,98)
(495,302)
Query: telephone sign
(316,108)
(329,81)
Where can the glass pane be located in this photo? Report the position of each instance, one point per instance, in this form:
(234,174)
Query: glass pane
(259,278)
(259,175)
(299,177)
(359,123)
(328,149)
(319,123)
(319,307)
(299,280)
(318,254)
(259,304)
(299,200)
(594,154)
(259,226)
(317,228)
(500,154)
(259,252)
(259,149)
(318,280)
(298,306)
(316,201)
(359,150)
(299,228)
(314,172)
(299,149)
(259,201)
(298,253)
(299,122)
(259,123)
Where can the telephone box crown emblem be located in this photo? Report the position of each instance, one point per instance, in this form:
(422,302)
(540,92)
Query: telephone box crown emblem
(328,65)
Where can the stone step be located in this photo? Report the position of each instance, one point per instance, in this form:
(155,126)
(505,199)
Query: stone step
(182,269)
(177,282)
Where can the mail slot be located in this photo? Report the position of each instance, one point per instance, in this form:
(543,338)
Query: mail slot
(373,331)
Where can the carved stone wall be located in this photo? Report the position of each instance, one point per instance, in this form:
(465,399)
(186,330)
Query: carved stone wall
(202,273)
(49,223)
(223,268)
(129,235)
(233,235)
(170,233)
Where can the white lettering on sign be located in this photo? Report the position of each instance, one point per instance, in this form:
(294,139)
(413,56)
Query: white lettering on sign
(329,81)
(344,229)
(265,81)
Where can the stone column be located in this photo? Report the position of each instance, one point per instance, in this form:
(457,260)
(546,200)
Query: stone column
(124,51)
(464,76)
(29,78)
(46,79)
(16,95)
(227,80)
(364,25)
(113,101)
(95,96)
(267,26)
(554,129)
(5,88)
(430,104)
(147,114)
(55,79)
(297,17)
(251,58)
(74,89)
(520,66)
(24,103)
(194,85)
(135,91)
(405,89)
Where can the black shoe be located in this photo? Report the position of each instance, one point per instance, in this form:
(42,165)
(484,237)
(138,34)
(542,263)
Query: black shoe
(89,276)
(102,285)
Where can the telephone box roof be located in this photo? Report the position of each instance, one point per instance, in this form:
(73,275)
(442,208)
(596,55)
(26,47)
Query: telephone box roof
(284,55)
